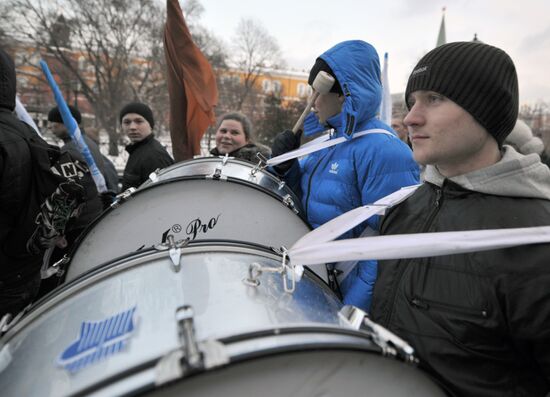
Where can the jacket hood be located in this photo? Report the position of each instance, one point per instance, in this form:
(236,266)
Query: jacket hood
(515,175)
(7,81)
(356,66)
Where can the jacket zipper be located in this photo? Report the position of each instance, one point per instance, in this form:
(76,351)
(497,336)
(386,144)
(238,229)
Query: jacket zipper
(404,265)
(425,304)
(309,185)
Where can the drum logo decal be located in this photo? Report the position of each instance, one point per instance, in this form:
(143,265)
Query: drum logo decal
(193,228)
(98,340)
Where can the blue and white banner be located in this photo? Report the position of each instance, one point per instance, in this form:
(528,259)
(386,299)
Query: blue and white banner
(74,131)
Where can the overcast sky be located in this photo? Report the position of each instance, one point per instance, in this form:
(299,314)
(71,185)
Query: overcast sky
(406,29)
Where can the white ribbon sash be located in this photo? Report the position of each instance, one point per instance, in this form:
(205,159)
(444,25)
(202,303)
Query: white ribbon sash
(417,245)
(321,143)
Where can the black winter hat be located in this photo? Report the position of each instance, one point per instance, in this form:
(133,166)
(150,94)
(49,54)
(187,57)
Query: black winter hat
(321,65)
(55,115)
(478,77)
(7,81)
(139,108)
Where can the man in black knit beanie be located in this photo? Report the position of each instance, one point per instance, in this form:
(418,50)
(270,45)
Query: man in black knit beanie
(479,322)
(146,153)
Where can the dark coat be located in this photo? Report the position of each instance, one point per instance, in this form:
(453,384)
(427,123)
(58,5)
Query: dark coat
(146,156)
(15,182)
(479,322)
(247,152)
(93,206)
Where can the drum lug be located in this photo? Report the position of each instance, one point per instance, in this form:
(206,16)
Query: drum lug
(154,176)
(186,329)
(287,200)
(217,175)
(391,344)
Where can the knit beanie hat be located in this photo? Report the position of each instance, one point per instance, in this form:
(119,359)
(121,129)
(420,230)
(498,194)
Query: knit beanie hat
(478,77)
(55,115)
(523,140)
(7,81)
(139,108)
(321,65)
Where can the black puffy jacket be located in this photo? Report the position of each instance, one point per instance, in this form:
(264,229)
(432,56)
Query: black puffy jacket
(16,265)
(479,322)
(145,157)
(247,152)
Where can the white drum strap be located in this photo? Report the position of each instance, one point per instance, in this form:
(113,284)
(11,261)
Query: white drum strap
(344,268)
(321,143)
(341,224)
(419,245)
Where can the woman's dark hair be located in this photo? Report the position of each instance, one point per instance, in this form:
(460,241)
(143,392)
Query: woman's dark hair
(241,118)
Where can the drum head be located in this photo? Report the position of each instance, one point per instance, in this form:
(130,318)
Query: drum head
(116,330)
(307,374)
(194,208)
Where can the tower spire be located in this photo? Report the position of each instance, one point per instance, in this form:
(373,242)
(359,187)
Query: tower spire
(442,37)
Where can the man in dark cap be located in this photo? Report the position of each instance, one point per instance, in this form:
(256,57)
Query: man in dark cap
(146,153)
(58,128)
(479,322)
(371,163)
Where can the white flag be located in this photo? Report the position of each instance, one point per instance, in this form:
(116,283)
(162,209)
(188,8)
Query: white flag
(386,105)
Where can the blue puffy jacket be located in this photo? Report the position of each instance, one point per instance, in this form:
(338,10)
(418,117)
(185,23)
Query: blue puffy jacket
(359,171)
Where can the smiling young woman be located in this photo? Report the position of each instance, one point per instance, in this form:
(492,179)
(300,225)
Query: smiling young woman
(234,137)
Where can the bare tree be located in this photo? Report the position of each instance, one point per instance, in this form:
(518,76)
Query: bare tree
(254,50)
(107,47)
(276,117)
(210,45)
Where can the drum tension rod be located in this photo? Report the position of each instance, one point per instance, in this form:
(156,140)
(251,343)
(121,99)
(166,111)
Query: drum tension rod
(122,197)
(262,163)
(287,200)
(391,344)
(192,356)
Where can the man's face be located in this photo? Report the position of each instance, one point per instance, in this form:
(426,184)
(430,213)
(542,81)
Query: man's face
(136,127)
(58,129)
(398,126)
(445,135)
(328,105)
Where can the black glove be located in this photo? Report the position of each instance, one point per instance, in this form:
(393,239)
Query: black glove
(107,198)
(284,142)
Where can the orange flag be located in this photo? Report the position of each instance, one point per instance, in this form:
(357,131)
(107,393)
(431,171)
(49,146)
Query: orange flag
(191,86)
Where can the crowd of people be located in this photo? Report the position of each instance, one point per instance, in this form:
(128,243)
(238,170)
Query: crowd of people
(479,322)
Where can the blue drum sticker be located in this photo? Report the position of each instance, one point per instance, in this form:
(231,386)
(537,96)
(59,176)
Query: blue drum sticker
(98,340)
